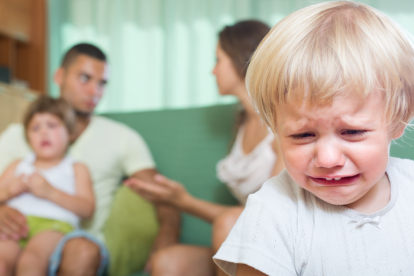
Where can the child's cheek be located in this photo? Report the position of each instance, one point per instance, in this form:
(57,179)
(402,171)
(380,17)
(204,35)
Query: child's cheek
(370,157)
(35,142)
(298,160)
(61,136)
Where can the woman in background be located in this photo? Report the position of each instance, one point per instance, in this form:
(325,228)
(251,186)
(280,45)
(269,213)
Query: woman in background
(253,159)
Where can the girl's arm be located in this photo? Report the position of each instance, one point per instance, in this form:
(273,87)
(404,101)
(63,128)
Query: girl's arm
(245,270)
(170,192)
(82,203)
(10,185)
(280,163)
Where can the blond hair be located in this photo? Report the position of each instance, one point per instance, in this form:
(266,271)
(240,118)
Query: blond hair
(57,107)
(329,49)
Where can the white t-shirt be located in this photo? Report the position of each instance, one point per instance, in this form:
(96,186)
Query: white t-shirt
(285,230)
(61,177)
(109,149)
(243,173)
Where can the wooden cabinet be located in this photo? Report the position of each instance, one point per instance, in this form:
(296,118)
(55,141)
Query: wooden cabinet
(15,17)
(22,56)
(23,42)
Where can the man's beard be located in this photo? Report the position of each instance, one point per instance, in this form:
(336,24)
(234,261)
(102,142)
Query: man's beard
(82,114)
(79,114)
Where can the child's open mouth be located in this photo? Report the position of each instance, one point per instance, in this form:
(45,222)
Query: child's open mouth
(45,144)
(336,180)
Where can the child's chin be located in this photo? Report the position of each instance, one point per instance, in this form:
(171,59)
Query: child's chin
(340,201)
(46,155)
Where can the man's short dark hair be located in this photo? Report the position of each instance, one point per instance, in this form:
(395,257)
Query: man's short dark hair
(82,49)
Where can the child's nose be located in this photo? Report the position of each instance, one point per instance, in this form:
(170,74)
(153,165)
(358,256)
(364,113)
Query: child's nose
(44,131)
(328,154)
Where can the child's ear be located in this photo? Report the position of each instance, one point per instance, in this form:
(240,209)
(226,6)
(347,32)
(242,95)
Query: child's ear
(398,131)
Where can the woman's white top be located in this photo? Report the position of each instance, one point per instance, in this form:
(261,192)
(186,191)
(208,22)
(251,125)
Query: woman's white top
(285,230)
(61,177)
(246,173)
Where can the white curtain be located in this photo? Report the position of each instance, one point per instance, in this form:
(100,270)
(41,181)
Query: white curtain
(161,52)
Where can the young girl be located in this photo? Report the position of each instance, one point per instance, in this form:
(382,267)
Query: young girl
(335,82)
(47,186)
(253,159)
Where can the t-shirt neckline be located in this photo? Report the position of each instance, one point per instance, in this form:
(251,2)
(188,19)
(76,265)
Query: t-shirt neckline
(84,135)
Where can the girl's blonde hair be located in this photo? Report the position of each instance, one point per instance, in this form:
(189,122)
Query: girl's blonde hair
(330,49)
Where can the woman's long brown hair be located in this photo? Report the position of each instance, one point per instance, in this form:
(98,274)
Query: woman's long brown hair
(239,42)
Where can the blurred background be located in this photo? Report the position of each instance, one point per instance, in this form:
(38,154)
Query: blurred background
(161,52)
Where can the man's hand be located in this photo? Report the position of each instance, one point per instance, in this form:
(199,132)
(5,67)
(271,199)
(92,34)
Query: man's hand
(38,186)
(13,224)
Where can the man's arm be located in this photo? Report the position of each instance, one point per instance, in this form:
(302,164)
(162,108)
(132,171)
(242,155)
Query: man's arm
(168,217)
(13,146)
(13,224)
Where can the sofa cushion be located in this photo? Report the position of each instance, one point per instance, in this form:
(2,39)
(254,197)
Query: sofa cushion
(129,232)
(140,274)
(186,145)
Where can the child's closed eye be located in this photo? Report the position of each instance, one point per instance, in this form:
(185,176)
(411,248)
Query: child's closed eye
(354,135)
(350,133)
(354,132)
(303,136)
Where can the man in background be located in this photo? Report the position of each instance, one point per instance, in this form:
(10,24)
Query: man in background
(109,149)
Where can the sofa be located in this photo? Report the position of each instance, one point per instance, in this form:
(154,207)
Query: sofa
(186,145)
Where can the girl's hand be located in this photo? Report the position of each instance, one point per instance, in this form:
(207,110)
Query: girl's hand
(38,186)
(17,186)
(161,191)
